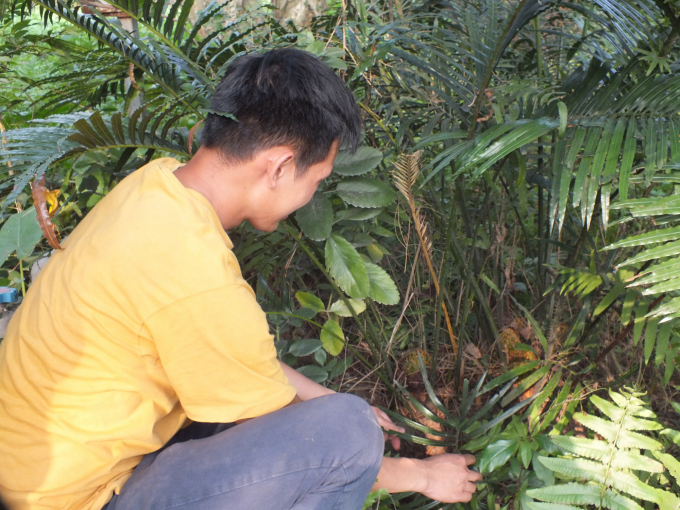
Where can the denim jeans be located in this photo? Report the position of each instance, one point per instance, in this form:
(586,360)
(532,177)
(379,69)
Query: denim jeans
(322,454)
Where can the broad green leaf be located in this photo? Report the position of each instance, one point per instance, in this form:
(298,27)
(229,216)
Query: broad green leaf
(497,454)
(310,301)
(305,347)
(332,337)
(357,214)
(628,304)
(20,234)
(313,372)
(342,310)
(362,161)
(366,192)
(382,288)
(543,473)
(640,313)
(525,454)
(346,266)
(571,493)
(316,218)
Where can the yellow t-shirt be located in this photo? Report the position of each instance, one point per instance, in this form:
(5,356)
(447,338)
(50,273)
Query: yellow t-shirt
(142,321)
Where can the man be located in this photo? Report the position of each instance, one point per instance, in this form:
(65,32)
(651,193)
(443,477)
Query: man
(139,372)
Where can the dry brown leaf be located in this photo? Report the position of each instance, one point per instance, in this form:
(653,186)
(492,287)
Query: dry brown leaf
(40,201)
(192,131)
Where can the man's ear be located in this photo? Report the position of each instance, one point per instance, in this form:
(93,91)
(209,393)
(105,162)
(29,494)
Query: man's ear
(280,165)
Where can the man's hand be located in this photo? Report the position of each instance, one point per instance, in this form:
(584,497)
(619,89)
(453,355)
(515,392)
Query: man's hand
(388,424)
(448,479)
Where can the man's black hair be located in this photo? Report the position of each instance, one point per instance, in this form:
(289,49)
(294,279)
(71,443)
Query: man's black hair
(283,97)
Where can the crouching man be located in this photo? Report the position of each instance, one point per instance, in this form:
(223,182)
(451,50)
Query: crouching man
(139,372)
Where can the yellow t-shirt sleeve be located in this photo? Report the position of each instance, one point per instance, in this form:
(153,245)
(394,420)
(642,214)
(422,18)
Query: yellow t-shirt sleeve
(217,352)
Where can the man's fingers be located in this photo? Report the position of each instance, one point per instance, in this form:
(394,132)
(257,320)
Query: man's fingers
(474,476)
(396,442)
(469,459)
(469,487)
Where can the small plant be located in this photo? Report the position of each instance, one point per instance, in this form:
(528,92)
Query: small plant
(612,472)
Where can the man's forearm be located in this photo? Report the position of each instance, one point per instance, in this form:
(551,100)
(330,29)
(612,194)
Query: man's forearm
(306,388)
(400,475)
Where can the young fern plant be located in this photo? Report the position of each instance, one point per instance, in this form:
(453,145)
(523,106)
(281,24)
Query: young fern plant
(612,472)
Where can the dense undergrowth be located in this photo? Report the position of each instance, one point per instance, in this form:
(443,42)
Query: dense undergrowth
(498,263)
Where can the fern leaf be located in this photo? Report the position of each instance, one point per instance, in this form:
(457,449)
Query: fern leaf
(614,412)
(550,506)
(628,439)
(625,482)
(632,460)
(577,468)
(605,428)
(632,423)
(570,493)
(671,464)
(591,448)
(615,501)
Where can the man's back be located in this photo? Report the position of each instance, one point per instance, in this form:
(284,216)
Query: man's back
(83,392)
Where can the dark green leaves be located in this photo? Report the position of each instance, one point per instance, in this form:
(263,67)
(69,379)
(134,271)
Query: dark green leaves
(497,454)
(346,267)
(366,192)
(19,234)
(316,218)
(364,160)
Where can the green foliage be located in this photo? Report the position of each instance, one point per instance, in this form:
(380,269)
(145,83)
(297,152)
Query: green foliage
(611,472)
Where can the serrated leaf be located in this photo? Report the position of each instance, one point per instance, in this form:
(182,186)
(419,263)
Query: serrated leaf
(549,506)
(316,218)
(613,412)
(605,428)
(308,300)
(624,459)
(340,308)
(357,214)
(382,288)
(346,266)
(497,454)
(362,161)
(366,192)
(332,337)
(630,484)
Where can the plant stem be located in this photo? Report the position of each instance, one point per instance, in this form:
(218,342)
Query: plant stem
(23,281)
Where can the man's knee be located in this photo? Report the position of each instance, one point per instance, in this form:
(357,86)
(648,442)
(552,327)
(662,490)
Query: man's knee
(355,426)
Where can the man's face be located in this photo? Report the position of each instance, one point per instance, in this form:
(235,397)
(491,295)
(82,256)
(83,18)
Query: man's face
(291,193)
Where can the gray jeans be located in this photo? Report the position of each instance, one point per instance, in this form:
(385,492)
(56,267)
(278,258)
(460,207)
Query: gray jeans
(323,454)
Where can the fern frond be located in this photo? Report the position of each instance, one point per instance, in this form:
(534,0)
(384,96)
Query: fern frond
(577,468)
(570,493)
(615,501)
(591,448)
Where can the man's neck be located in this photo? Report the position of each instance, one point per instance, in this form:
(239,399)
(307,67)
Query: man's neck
(208,174)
